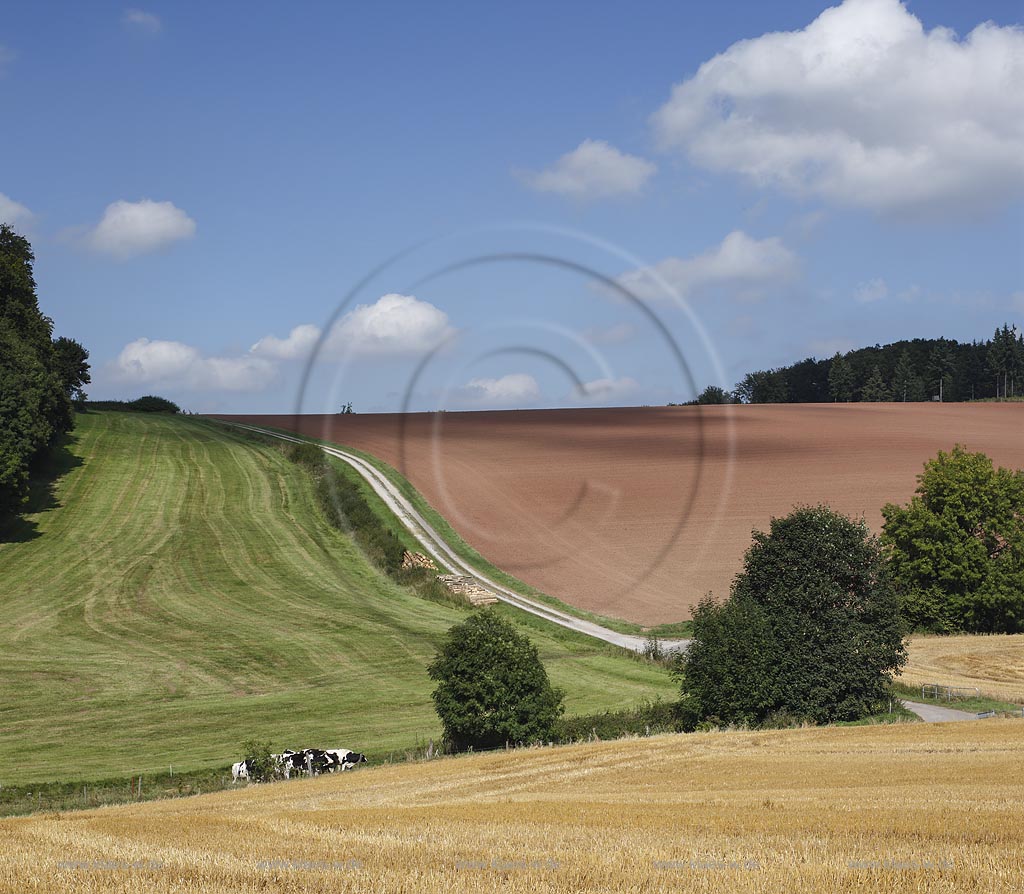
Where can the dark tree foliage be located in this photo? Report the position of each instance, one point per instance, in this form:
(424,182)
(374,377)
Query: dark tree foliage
(957,549)
(71,362)
(492,687)
(150,403)
(912,370)
(35,404)
(769,386)
(812,630)
(875,390)
(714,395)
(841,381)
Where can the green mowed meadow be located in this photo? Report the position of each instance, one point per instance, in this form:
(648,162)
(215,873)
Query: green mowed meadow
(184,593)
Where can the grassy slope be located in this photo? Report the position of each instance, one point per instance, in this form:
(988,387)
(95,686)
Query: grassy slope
(187,594)
(468,554)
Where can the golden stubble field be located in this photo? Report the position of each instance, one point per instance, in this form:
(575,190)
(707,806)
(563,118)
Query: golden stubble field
(884,808)
(992,664)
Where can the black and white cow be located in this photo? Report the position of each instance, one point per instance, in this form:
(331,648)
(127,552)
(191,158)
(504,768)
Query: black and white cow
(239,770)
(343,759)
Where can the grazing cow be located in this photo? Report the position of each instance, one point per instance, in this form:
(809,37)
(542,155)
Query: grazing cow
(343,759)
(239,771)
(288,761)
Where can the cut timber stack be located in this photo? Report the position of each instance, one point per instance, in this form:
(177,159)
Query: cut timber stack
(466,586)
(417,560)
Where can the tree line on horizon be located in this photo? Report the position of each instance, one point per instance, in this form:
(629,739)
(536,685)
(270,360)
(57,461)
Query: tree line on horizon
(41,378)
(919,369)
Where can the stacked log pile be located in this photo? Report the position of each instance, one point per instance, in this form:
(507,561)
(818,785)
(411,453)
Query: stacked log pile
(417,560)
(469,588)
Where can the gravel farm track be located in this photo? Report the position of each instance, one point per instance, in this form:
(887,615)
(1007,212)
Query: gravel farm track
(636,513)
(439,550)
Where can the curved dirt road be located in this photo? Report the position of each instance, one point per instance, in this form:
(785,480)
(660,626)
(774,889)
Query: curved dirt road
(439,550)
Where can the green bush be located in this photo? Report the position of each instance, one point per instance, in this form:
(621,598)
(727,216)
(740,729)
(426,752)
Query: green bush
(492,688)
(260,761)
(812,630)
(307,454)
(646,719)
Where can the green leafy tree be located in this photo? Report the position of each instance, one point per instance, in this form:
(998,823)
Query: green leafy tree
(71,362)
(766,386)
(34,408)
(714,395)
(957,549)
(875,389)
(811,631)
(840,379)
(492,687)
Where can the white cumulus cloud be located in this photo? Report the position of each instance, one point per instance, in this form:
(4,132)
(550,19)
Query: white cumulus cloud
(12,212)
(298,343)
(144,21)
(739,262)
(870,291)
(863,107)
(513,389)
(593,170)
(394,324)
(172,363)
(134,228)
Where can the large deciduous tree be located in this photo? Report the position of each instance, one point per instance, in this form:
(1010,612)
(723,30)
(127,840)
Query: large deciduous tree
(35,405)
(957,549)
(811,631)
(492,687)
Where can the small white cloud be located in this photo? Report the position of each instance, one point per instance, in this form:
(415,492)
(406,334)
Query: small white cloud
(870,291)
(150,362)
(740,263)
(394,324)
(134,228)
(144,21)
(12,212)
(298,343)
(593,170)
(863,107)
(615,334)
(608,390)
(514,389)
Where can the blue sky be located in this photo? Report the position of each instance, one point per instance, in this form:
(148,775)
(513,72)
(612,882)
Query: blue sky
(206,185)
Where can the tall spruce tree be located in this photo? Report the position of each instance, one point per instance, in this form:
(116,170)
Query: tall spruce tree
(875,389)
(840,379)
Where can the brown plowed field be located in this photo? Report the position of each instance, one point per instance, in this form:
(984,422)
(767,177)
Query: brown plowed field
(636,513)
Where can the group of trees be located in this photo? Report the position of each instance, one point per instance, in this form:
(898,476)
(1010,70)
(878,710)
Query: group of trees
(40,378)
(916,370)
(812,630)
(814,625)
